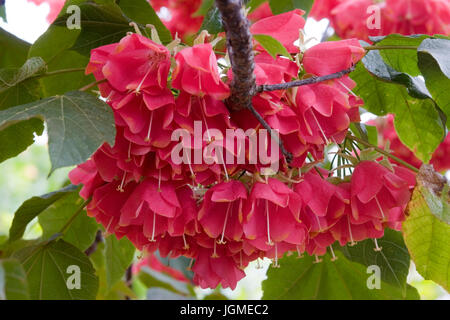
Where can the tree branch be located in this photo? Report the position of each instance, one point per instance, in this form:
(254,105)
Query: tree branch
(303,82)
(240,49)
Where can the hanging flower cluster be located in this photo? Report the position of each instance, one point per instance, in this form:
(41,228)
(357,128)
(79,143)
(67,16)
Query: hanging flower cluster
(388,136)
(225,214)
(364,18)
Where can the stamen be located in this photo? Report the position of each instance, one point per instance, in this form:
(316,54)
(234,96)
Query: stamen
(269,241)
(129,152)
(347,88)
(299,253)
(320,128)
(186,246)
(189,268)
(381,209)
(334,258)
(154,225)
(258,264)
(149,128)
(136,28)
(377,248)
(225,224)
(353,242)
(120,188)
(139,209)
(154,33)
(159,181)
(214,255)
(276,265)
(318,260)
(202,102)
(143,79)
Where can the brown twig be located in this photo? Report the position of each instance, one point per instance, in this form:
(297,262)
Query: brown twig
(303,82)
(240,49)
(94,245)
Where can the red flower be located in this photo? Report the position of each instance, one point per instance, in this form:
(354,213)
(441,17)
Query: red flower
(284,27)
(334,56)
(197,73)
(272,214)
(376,192)
(221,212)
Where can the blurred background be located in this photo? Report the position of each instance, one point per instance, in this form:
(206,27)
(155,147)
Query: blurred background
(27,175)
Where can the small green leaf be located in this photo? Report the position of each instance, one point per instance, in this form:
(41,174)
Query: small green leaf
(163,294)
(435,66)
(426,236)
(17,137)
(213,21)
(141,12)
(119,255)
(82,230)
(254,4)
(151,278)
(17,51)
(302,279)
(204,8)
(12,77)
(384,90)
(31,208)
(49,268)
(393,259)
(78,124)
(282,6)
(3,13)
(366,132)
(403,60)
(272,45)
(13,281)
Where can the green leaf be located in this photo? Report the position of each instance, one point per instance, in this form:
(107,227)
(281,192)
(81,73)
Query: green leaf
(82,230)
(254,4)
(213,21)
(151,278)
(54,46)
(13,281)
(141,12)
(384,90)
(181,264)
(272,45)
(100,24)
(204,8)
(19,86)
(3,12)
(302,279)
(17,51)
(393,259)
(48,273)
(366,132)
(12,77)
(281,6)
(435,67)
(164,294)
(17,137)
(31,208)
(403,60)
(78,124)
(426,236)
(119,255)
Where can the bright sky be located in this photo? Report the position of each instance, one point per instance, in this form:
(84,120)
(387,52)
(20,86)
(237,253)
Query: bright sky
(25,20)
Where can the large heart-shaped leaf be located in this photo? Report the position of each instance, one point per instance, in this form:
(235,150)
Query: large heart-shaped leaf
(50,268)
(78,123)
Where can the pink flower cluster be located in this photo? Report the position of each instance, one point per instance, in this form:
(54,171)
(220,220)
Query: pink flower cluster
(354,18)
(387,134)
(224,216)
